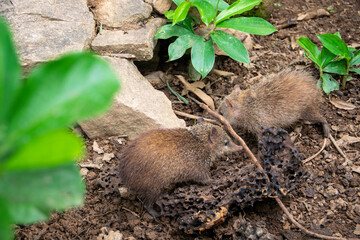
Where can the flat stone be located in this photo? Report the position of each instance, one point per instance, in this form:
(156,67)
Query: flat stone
(44,29)
(117,13)
(161,6)
(139,43)
(137,108)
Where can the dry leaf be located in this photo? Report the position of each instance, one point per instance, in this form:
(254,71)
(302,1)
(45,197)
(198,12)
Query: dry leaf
(222,73)
(96,148)
(293,42)
(203,96)
(108,156)
(342,104)
(313,14)
(347,140)
(196,84)
(356,169)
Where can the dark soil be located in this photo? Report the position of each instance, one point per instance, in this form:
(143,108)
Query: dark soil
(328,202)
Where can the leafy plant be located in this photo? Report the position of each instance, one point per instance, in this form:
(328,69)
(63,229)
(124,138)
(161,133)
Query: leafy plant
(214,14)
(37,150)
(334,57)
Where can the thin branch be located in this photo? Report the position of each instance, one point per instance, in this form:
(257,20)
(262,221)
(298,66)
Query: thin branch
(191,116)
(256,162)
(316,154)
(347,160)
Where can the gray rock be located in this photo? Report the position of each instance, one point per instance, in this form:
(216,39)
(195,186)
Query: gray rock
(161,6)
(157,79)
(139,43)
(137,108)
(43,29)
(117,13)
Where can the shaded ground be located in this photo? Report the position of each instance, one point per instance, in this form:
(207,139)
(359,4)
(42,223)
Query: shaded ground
(327,202)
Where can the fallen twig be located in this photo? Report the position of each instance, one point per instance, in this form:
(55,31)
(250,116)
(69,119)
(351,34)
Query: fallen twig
(191,116)
(316,154)
(256,162)
(347,160)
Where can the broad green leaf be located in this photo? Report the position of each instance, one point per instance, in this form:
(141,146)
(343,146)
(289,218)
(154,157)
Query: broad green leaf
(61,92)
(326,57)
(10,80)
(194,75)
(168,31)
(338,34)
(178,2)
(206,10)
(46,190)
(5,221)
(356,58)
(203,56)
(352,49)
(169,14)
(311,49)
(231,46)
(329,83)
(181,12)
(221,6)
(335,45)
(25,213)
(252,25)
(337,66)
(180,45)
(357,70)
(238,7)
(187,23)
(51,149)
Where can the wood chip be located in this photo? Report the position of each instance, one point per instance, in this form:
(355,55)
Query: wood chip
(96,148)
(338,103)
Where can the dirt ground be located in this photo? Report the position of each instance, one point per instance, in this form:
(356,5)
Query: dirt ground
(327,201)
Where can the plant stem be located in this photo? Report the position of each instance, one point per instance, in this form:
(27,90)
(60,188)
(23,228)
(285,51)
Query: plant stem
(344,80)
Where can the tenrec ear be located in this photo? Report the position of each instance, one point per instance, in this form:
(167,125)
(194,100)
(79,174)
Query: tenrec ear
(229,103)
(213,135)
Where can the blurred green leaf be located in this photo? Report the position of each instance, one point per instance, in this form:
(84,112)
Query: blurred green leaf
(329,83)
(181,11)
(326,57)
(356,58)
(203,56)
(59,93)
(178,2)
(5,221)
(335,45)
(180,45)
(337,66)
(51,149)
(44,190)
(168,31)
(206,10)
(357,70)
(311,49)
(10,80)
(252,25)
(238,7)
(169,14)
(231,46)
(25,213)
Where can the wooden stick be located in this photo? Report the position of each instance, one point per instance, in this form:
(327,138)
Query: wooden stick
(347,160)
(256,162)
(191,116)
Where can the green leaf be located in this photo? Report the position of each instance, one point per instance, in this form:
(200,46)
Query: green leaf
(26,214)
(357,70)
(181,12)
(51,149)
(187,23)
(45,190)
(311,49)
(356,58)
(168,31)
(203,56)
(61,92)
(335,45)
(329,83)
(231,46)
(206,10)
(238,7)
(222,4)
(180,45)
(337,34)
(337,66)
(326,57)
(169,14)
(177,95)
(5,221)
(252,25)
(352,49)
(194,75)
(178,2)
(10,80)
